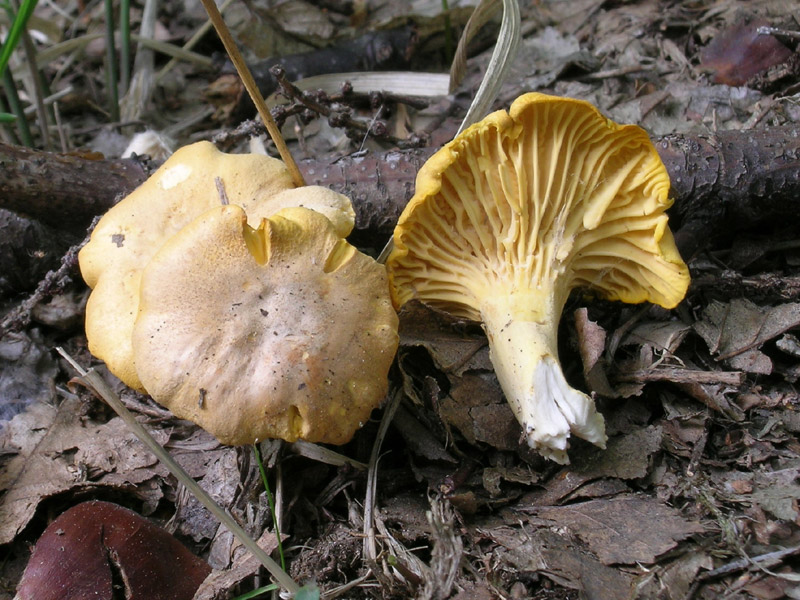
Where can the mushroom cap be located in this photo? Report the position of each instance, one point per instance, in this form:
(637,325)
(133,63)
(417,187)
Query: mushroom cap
(551,191)
(183,188)
(284,331)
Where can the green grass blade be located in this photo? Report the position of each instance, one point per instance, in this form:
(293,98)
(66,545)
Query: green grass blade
(271,502)
(17,27)
(125,45)
(10,87)
(111,67)
(256,593)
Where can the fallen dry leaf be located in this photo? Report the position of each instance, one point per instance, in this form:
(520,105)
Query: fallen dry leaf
(626,457)
(95,547)
(71,453)
(592,345)
(477,408)
(735,331)
(672,580)
(219,583)
(740,53)
(555,556)
(624,530)
(221,479)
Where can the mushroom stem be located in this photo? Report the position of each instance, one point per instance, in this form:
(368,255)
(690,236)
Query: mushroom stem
(522,328)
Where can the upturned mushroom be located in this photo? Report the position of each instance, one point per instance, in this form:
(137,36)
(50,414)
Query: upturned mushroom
(514,213)
(280,331)
(183,188)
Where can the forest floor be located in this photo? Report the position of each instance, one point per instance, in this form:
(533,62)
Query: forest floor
(696,494)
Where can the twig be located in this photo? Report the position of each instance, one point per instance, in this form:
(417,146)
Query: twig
(765,30)
(338,118)
(96,383)
(759,562)
(53,282)
(770,286)
(223,196)
(245,129)
(683,376)
(252,90)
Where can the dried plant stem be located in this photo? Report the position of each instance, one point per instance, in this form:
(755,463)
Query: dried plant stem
(141,85)
(500,62)
(252,90)
(370,544)
(99,386)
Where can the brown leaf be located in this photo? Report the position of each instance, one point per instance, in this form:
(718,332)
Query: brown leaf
(219,583)
(72,454)
(418,437)
(555,556)
(624,530)
(740,52)
(77,555)
(736,330)
(453,350)
(776,492)
(672,580)
(627,457)
(592,345)
(222,481)
(661,336)
(477,408)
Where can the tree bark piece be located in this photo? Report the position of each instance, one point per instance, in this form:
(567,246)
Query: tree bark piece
(28,250)
(721,182)
(63,190)
(732,179)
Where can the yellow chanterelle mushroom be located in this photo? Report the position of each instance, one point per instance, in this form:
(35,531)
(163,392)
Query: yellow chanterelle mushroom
(282,331)
(515,212)
(183,188)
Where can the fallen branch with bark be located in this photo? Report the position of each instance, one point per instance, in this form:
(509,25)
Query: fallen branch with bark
(721,183)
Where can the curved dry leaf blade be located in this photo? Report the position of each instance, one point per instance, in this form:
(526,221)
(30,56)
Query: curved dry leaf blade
(480,16)
(77,555)
(504,52)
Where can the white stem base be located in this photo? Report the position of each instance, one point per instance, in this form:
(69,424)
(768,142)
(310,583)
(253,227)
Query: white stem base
(524,353)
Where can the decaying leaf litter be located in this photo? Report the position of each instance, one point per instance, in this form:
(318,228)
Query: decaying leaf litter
(696,494)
